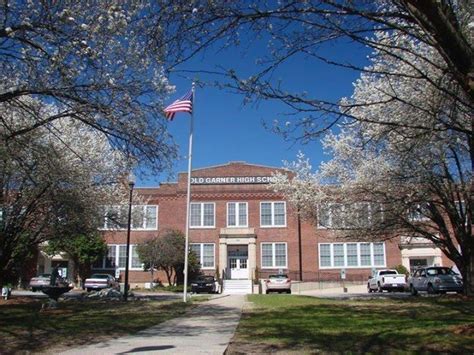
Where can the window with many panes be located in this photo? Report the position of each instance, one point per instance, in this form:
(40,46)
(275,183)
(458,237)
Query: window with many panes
(356,215)
(144,217)
(273,214)
(237,214)
(117,257)
(274,255)
(202,215)
(351,255)
(204,254)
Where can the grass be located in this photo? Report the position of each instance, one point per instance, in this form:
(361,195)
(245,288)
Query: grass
(310,325)
(24,326)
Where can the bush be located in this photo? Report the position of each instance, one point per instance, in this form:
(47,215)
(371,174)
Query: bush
(402,270)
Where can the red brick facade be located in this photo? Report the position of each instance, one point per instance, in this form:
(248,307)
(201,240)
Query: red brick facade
(171,201)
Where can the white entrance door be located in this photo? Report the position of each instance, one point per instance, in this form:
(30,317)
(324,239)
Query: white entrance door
(237,261)
(238,267)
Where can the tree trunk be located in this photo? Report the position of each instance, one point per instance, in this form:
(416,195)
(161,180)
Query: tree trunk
(468,277)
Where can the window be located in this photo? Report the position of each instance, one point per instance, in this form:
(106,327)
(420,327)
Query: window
(352,259)
(352,216)
(202,215)
(338,254)
(204,253)
(365,254)
(144,217)
(351,255)
(274,255)
(273,214)
(117,257)
(379,254)
(325,254)
(135,260)
(237,214)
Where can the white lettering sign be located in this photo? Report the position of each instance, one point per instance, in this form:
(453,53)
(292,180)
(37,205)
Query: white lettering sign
(227,180)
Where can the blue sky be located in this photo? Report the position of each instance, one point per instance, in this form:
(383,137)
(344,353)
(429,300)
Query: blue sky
(226,130)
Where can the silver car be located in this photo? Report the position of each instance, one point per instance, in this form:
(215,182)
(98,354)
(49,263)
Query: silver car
(278,283)
(435,279)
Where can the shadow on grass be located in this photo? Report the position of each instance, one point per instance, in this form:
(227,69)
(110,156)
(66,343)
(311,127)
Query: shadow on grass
(24,326)
(415,325)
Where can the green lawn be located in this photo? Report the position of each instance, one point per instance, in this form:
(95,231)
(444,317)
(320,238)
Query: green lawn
(24,326)
(310,325)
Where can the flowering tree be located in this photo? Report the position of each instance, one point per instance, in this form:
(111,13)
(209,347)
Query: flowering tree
(288,30)
(54,180)
(91,60)
(402,165)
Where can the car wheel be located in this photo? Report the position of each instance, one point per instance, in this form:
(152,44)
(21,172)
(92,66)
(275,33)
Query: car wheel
(431,290)
(289,292)
(413,290)
(379,288)
(34,289)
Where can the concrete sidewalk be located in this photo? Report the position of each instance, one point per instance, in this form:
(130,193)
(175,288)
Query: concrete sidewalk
(206,329)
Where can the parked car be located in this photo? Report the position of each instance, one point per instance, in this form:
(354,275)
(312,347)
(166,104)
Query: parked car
(205,284)
(101,281)
(42,280)
(278,283)
(435,279)
(38,282)
(386,279)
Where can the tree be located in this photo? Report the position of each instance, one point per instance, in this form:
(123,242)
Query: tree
(84,251)
(54,181)
(89,60)
(166,252)
(404,169)
(305,29)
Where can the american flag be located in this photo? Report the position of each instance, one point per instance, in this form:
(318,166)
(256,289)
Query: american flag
(184,104)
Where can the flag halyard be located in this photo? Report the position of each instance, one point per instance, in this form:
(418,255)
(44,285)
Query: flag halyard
(184,104)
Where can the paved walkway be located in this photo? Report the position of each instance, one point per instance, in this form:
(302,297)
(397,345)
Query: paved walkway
(206,329)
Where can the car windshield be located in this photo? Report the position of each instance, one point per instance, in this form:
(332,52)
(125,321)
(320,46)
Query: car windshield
(99,276)
(440,271)
(206,279)
(281,276)
(388,272)
(45,276)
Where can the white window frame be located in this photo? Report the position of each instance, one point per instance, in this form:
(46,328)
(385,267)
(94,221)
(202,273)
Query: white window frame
(201,255)
(273,267)
(273,215)
(106,227)
(237,219)
(117,257)
(346,266)
(371,211)
(202,226)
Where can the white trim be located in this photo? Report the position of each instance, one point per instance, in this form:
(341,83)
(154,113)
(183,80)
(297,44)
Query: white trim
(117,258)
(237,217)
(346,266)
(202,226)
(273,256)
(106,228)
(201,255)
(272,204)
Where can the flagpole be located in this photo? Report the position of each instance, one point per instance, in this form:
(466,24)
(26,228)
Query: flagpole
(188,200)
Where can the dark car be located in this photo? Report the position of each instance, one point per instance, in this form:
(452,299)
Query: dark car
(207,284)
(435,279)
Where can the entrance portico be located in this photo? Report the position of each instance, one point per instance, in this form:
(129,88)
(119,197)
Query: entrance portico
(237,253)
